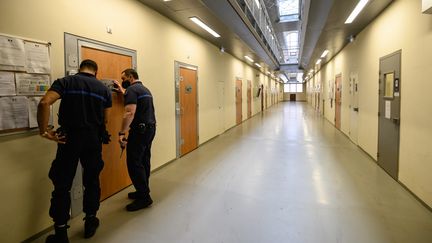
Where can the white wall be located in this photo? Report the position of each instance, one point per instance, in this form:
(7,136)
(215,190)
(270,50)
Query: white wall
(401,26)
(25,159)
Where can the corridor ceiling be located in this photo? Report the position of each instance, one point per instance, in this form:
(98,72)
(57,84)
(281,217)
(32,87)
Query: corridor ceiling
(321,27)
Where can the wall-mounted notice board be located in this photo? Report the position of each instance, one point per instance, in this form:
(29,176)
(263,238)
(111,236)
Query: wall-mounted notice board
(25,76)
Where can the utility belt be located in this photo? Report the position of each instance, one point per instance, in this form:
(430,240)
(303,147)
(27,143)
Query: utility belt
(142,127)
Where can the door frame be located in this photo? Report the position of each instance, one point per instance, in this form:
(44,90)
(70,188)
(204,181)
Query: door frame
(73,44)
(395,176)
(336,105)
(177,66)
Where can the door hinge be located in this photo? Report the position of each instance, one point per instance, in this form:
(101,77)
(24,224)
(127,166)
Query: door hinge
(377,155)
(379,114)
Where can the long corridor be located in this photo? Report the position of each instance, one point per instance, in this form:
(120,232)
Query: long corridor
(283,176)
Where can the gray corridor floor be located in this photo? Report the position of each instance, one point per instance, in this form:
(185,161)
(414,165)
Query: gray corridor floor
(283,176)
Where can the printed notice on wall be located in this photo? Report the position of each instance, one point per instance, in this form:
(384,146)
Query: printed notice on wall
(12,54)
(31,84)
(13,112)
(37,58)
(388,109)
(7,83)
(32,110)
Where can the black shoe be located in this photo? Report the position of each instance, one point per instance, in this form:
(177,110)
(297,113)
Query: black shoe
(133,195)
(90,225)
(60,235)
(56,239)
(139,204)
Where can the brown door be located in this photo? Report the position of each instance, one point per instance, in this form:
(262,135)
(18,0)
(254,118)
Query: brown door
(292,97)
(239,117)
(188,110)
(114,176)
(262,97)
(249,98)
(338,101)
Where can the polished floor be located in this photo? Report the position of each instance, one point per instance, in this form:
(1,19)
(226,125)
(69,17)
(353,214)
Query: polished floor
(285,176)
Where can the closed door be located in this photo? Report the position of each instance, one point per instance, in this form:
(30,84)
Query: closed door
(238,96)
(338,101)
(188,110)
(262,98)
(354,109)
(249,98)
(389,113)
(114,176)
(221,106)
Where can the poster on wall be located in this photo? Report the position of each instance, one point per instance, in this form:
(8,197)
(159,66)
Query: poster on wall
(12,54)
(13,112)
(37,58)
(32,84)
(7,83)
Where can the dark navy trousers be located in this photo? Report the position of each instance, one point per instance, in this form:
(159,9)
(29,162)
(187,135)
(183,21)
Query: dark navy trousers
(82,145)
(138,158)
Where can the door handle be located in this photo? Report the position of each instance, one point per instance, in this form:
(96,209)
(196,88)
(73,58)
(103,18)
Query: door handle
(356,109)
(396,121)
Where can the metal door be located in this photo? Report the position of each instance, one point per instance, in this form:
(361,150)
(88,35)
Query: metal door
(221,106)
(389,113)
(249,98)
(338,101)
(239,104)
(354,107)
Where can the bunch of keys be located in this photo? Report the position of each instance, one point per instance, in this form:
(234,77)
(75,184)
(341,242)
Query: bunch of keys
(122,146)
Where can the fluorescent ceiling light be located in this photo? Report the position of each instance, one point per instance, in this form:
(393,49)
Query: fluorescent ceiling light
(324,54)
(258,4)
(318,61)
(256,64)
(268,72)
(249,59)
(356,11)
(204,26)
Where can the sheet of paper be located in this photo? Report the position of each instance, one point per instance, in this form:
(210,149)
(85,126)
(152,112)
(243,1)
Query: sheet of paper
(387,109)
(20,111)
(13,112)
(6,114)
(32,110)
(32,84)
(7,84)
(12,54)
(37,58)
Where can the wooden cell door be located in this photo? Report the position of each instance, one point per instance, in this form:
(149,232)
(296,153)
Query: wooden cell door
(338,101)
(249,98)
(262,98)
(239,103)
(188,110)
(114,176)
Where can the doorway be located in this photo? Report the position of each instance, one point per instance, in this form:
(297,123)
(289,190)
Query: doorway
(354,107)
(186,108)
(389,113)
(338,101)
(111,60)
(239,103)
(249,99)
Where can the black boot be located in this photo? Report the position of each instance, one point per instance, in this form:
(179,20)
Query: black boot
(90,225)
(139,203)
(60,235)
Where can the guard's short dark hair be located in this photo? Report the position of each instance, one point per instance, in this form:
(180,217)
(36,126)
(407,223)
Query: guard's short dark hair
(90,64)
(130,71)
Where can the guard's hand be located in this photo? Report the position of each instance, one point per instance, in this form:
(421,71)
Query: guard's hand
(54,136)
(118,87)
(123,141)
